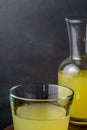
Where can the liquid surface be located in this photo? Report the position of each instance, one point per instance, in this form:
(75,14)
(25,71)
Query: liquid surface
(78,82)
(40,117)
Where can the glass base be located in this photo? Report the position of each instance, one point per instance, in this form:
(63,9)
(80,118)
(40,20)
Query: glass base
(78,121)
(77,127)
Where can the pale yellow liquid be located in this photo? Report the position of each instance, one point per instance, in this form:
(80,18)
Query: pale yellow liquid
(78,82)
(40,117)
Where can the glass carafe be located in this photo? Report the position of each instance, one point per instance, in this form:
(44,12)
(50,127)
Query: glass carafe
(73,70)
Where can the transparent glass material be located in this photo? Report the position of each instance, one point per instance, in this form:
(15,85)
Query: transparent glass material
(40,106)
(73,70)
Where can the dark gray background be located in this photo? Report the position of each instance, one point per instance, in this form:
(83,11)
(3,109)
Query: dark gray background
(33,42)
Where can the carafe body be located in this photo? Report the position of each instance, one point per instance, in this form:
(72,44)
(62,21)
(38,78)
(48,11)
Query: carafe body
(73,70)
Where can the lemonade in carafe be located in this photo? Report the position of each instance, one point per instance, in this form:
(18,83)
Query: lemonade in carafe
(73,70)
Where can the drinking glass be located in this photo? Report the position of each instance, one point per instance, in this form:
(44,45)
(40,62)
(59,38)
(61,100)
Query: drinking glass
(40,106)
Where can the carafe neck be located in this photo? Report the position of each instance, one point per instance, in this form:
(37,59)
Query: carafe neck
(77,33)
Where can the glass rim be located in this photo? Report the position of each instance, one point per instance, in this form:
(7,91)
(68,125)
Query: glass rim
(76,19)
(38,100)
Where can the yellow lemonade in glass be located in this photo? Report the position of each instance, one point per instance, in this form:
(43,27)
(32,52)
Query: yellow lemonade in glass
(40,116)
(78,82)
